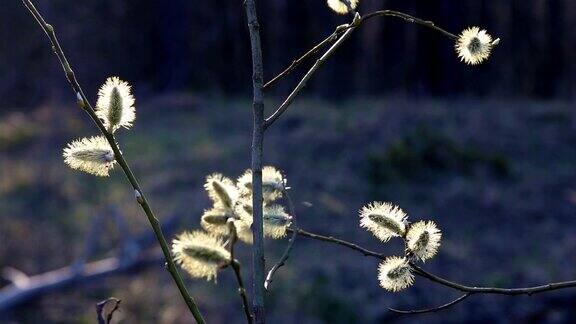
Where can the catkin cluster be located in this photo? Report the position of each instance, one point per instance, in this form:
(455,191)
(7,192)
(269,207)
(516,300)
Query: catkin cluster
(422,240)
(115,107)
(231,210)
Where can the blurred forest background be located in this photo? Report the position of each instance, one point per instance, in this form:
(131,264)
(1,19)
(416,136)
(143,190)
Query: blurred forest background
(488,152)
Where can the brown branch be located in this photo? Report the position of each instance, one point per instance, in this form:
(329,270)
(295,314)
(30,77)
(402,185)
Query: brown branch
(100,310)
(441,281)
(343,29)
(433,309)
(53,281)
(66,277)
(290,245)
(408,18)
(339,30)
(258,262)
(236,267)
(282,108)
(493,290)
(139,194)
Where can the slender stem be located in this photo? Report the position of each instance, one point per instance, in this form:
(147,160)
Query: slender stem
(85,104)
(340,29)
(441,281)
(242,291)
(236,267)
(408,18)
(301,59)
(258,262)
(433,309)
(282,108)
(334,240)
(494,290)
(290,245)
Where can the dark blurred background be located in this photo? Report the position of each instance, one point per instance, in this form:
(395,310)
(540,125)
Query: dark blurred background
(486,151)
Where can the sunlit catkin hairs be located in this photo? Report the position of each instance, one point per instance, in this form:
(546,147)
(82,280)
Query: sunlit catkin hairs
(276,221)
(92,155)
(342,6)
(474,45)
(200,254)
(395,274)
(115,104)
(384,220)
(215,221)
(221,190)
(273,184)
(423,239)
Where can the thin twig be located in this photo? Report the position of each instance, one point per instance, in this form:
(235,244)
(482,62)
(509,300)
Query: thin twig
(290,245)
(347,244)
(408,18)
(433,309)
(280,110)
(441,281)
(100,310)
(339,30)
(493,290)
(258,262)
(85,104)
(236,267)
(302,58)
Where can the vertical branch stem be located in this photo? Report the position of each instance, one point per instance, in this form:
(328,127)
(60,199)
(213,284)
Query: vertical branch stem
(258,262)
(85,104)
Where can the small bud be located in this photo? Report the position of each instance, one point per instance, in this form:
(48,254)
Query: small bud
(138,196)
(80,101)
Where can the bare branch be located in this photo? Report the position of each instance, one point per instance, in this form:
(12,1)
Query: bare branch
(282,108)
(56,280)
(290,245)
(301,59)
(433,309)
(345,30)
(85,104)
(17,277)
(444,282)
(100,310)
(236,267)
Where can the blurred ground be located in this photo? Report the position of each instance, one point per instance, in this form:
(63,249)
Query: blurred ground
(497,176)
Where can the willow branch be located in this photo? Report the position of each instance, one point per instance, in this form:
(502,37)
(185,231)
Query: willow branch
(344,30)
(236,267)
(139,195)
(328,40)
(442,281)
(282,108)
(433,309)
(407,18)
(290,245)
(258,262)
(100,310)
(493,290)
